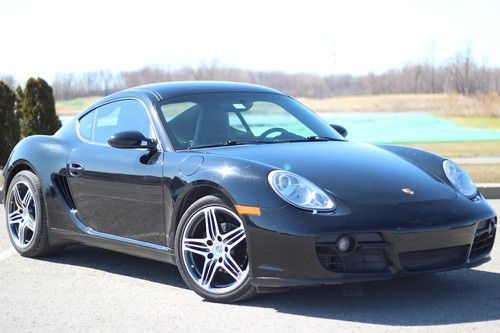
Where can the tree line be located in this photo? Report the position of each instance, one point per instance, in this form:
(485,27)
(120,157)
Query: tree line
(461,74)
(25,111)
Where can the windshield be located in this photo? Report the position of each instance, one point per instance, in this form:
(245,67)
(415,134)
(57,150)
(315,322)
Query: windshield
(218,119)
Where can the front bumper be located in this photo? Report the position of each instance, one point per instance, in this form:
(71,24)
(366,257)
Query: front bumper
(310,256)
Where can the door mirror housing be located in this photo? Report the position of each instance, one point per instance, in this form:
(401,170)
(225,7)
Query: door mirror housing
(131,140)
(340,129)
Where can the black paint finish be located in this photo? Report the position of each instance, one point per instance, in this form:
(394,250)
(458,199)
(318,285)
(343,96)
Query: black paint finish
(130,200)
(115,193)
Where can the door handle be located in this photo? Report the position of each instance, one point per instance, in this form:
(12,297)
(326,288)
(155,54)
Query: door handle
(75,169)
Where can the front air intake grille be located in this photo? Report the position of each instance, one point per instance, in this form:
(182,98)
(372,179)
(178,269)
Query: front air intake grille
(362,260)
(484,239)
(62,186)
(433,259)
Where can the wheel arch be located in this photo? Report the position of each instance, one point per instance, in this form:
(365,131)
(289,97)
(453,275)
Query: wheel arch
(196,191)
(14,169)
(41,154)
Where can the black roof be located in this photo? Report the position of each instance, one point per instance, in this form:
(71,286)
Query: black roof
(173,89)
(159,91)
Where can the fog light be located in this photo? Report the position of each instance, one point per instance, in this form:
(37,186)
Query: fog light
(346,244)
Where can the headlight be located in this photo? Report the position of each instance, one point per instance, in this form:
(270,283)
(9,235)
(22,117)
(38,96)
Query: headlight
(459,178)
(299,191)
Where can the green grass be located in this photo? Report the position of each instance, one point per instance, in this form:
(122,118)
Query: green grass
(478,122)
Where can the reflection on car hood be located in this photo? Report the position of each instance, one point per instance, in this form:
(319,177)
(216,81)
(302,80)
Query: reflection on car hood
(354,171)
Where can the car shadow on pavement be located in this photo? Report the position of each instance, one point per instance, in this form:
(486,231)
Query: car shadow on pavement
(462,296)
(118,263)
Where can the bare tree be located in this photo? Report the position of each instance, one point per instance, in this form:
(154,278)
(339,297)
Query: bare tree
(460,75)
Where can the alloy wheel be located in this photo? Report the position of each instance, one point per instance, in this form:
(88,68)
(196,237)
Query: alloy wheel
(214,250)
(21,214)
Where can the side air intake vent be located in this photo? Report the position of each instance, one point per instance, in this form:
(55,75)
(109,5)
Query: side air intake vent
(484,239)
(61,183)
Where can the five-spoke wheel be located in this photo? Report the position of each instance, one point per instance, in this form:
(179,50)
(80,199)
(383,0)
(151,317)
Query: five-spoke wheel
(26,217)
(21,214)
(213,250)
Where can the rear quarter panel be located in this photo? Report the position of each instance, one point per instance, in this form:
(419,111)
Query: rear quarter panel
(45,156)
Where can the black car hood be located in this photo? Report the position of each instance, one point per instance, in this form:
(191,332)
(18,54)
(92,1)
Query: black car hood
(359,172)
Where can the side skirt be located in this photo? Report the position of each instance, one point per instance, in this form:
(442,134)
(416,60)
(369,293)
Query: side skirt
(118,244)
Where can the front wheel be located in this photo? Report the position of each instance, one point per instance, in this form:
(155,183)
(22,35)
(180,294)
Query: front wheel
(211,251)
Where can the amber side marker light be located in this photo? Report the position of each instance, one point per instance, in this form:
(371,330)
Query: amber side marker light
(247,210)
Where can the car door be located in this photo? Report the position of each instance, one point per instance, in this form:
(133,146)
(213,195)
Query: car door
(117,192)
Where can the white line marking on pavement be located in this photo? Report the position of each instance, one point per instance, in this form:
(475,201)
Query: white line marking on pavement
(6,254)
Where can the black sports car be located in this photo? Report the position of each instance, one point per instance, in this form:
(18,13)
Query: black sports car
(244,189)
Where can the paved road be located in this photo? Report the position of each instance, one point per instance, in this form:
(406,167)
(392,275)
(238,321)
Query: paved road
(85,289)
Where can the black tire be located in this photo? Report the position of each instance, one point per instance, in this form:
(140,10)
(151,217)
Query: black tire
(39,244)
(244,291)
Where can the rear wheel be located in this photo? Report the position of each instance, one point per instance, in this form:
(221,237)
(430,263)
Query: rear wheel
(26,216)
(211,251)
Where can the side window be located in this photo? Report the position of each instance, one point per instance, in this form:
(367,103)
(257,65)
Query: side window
(86,124)
(100,124)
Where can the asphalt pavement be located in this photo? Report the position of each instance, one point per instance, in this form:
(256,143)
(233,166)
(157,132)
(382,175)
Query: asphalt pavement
(87,289)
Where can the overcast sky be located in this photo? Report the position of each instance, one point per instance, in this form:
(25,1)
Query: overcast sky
(45,37)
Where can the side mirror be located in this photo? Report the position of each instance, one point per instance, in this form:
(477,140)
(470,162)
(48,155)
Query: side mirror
(131,139)
(340,129)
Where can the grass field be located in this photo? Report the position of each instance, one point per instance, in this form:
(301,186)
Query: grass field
(378,103)
(479,122)
(444,105)
(73,106)
(484,173)
(481,173)
(484,109)
(461,149)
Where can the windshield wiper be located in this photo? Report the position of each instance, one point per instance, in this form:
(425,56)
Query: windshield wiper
(316,138)
(249,142)
(226,143)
